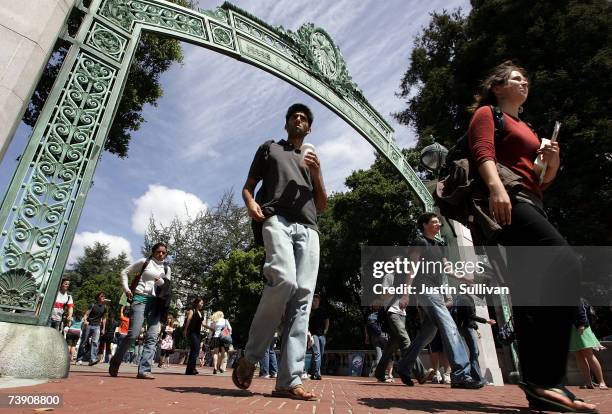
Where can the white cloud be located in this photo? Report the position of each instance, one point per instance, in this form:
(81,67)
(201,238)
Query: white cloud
(116,244)
(164,204)
(341,156)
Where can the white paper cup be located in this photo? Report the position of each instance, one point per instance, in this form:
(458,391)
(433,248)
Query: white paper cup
(305,149)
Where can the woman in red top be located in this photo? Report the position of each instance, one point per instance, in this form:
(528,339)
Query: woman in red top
(524,223)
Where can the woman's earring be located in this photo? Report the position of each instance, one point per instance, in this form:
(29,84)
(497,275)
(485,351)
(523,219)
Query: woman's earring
(520,109)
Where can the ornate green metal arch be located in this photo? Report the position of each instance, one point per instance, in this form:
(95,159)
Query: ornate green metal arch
(41,209)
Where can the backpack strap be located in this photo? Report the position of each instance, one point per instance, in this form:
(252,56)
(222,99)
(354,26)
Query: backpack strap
(136,280)
(498,121)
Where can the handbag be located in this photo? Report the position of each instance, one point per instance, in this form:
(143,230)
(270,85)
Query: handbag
(226,336)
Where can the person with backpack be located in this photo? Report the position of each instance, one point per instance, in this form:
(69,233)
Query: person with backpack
(395,324)
(434,306)
(63,305)
(220,341)
(95,322)
(464,313)
(286,207)
(150,272)
(375,336)
(519,212)
(73,333)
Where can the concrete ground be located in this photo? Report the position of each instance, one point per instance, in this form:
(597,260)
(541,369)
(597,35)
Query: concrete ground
(91,390)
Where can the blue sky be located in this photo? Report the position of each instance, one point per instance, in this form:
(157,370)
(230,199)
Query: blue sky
(200,139)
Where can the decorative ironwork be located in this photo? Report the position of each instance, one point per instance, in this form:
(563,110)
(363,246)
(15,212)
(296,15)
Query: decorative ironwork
(39,214)
(222,36)
(18,290)
(50,185)
(107,41)
(127,12)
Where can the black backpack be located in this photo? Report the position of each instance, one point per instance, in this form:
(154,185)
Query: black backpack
(257,226)
(374,327)
(383,319)
(458,178)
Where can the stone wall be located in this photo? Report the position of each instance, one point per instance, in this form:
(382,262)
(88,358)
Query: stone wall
(28,31)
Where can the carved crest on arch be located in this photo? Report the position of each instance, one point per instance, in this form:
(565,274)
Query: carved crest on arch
(316,50)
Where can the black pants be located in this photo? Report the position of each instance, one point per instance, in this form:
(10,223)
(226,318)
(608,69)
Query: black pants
(543,332)
(194,351)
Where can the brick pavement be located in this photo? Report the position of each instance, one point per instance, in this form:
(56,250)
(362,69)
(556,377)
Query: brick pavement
(90,390)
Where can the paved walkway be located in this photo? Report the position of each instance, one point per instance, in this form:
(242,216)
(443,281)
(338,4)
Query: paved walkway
(90,390)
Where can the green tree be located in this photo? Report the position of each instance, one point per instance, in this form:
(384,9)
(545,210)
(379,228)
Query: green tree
(154,55)
(196,245)
(96,271)
(234,286)
(565,47)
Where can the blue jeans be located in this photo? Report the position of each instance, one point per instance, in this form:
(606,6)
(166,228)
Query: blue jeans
(471,340)
(140,311)
(268,361)
(318,348)
(436,316)
(379,342)
(92,332)
(194,351)
(290,269)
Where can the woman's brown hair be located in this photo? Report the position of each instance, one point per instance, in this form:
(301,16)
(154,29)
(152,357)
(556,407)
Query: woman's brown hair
(498,76)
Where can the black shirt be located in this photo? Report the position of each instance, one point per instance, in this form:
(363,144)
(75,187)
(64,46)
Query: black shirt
(287,186)
(432,252)
(96,313)
(196,322)
(316,325)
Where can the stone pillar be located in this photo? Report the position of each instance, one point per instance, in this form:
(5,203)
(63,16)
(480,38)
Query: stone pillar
(488,361)
(28,31)
(30,351)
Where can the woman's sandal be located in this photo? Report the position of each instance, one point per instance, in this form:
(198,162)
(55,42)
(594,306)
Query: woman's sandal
(539,402)
(242,376)
(296,393)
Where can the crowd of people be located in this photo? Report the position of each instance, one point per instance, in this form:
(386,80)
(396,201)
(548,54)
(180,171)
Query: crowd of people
(284,213)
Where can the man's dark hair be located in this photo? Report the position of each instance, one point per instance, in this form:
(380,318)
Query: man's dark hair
(64,280)
(98,295)
(424,219)
(299,107)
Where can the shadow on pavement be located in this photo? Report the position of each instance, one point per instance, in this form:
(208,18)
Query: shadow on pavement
(211,391)
(431,406)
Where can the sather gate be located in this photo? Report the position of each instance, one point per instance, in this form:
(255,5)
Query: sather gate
(41,209)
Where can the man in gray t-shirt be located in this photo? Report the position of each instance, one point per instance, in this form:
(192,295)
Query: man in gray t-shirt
(291,194)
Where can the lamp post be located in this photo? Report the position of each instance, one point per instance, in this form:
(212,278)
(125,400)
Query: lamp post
(433,157)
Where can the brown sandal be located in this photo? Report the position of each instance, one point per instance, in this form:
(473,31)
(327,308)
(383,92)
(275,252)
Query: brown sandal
(242,376)
(296,393)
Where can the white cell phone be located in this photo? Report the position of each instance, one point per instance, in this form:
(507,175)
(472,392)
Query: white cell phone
(538,165)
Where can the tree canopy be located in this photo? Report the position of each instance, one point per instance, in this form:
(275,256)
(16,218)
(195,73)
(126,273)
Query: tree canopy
(96,271)
(565,48)
(196,245)
(154,55)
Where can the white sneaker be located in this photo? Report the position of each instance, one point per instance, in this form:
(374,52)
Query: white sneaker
(79,363)
(447,379)
(304,375)
(437,379)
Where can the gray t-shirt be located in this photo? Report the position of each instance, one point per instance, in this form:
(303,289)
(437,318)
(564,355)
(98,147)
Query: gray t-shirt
(287,186)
